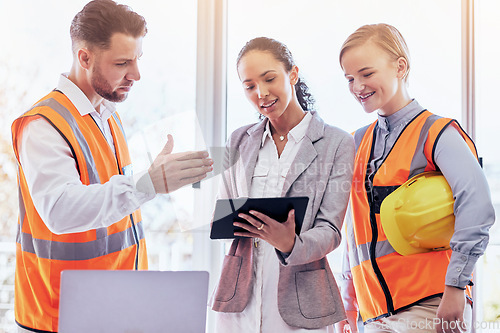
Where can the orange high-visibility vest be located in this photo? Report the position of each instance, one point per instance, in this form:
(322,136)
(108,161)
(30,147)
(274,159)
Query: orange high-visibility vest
(41,255)
(385,281)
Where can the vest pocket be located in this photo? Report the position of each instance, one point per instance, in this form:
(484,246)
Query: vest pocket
(229,278)
(314,294)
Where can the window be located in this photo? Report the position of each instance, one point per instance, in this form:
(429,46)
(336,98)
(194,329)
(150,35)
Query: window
(487,137)
(314,32)
(38,49)
(161,103)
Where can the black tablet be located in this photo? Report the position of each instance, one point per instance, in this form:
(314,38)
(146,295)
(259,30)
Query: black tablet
(227,210)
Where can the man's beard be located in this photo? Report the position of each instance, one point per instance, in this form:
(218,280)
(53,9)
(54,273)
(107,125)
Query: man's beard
(103,88)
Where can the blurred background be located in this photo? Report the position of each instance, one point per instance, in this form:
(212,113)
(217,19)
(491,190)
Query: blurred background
(190,88)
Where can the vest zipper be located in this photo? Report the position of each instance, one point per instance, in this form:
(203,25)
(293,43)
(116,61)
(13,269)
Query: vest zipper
(136,237)
(132,222)
(133,226)
(373,219)
(376,269)
(120,171)
(373,225)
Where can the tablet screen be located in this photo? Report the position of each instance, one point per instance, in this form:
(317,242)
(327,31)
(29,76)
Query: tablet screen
(227,210)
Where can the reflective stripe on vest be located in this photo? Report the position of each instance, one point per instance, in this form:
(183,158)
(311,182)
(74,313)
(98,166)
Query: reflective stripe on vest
(104,244)
(42,255)
(53,250)
(362,251)
(385,282)
(56,106)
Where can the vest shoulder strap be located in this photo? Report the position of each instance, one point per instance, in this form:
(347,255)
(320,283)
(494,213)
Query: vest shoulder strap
(359,134)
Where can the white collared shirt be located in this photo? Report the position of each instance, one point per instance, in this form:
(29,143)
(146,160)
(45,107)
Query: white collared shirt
(62,201)
(270,171)
(261,313)
(84,106)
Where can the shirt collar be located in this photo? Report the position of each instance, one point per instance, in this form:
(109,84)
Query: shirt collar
(400,117)
(296,134)
(80,100)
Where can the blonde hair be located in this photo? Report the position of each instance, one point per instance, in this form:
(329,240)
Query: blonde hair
(387,37)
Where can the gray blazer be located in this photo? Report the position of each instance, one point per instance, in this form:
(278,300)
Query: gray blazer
(308,295)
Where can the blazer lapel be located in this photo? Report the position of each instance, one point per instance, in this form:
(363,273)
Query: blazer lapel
(249,150)
(307,152)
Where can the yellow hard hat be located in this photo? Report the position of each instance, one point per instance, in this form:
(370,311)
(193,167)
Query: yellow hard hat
(418,216)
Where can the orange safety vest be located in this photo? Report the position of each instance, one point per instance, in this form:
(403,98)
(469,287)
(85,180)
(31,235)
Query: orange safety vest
(41,255)
(385,281)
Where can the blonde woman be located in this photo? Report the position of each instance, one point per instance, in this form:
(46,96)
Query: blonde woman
(414,293)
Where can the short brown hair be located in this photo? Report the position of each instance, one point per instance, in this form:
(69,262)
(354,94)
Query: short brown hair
(387,37)
(100,19)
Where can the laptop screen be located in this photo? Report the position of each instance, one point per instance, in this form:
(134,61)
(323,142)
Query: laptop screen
(133,301)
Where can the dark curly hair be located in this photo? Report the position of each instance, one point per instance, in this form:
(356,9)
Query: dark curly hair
(281,52)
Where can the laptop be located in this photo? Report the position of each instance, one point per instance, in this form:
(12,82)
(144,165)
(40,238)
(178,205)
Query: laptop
(124,301)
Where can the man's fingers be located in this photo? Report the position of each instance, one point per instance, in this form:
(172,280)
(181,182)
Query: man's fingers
(190,180)
(173,167)
(191,175)
(175,184)
(169,146)
(194,172)
(194,163)
(191,155)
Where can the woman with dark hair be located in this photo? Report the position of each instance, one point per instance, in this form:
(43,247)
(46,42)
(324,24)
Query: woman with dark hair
(274,280)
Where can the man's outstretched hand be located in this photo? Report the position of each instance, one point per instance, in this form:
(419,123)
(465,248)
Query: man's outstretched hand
(170,172)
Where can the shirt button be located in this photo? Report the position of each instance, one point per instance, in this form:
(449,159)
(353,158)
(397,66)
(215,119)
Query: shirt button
(454,281)
(464,258)
(458,269)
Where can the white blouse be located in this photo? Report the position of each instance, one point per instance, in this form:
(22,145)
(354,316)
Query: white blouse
(261,313)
